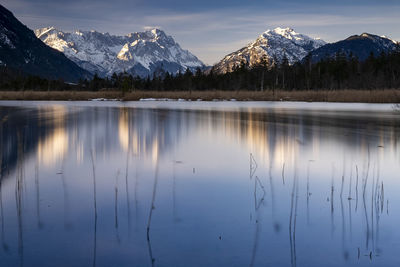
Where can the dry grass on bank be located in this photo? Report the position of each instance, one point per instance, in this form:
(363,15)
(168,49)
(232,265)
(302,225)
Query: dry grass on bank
(364,96)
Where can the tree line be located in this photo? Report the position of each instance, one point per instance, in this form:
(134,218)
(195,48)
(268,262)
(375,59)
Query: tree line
(333,73)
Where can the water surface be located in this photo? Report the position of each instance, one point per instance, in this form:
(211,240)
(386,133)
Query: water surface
(199,184)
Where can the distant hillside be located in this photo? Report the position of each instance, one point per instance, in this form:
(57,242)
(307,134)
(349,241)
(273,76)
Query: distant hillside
(20,49)
(360,46)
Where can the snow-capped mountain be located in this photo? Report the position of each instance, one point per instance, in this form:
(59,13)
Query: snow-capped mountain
(139,53)
(22,51)
(360,46)
(273,45)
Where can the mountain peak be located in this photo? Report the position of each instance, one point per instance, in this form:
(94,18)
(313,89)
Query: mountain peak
(284,31)
(149,34)
(369,36)
(290,34)
(156,33)
(275,45)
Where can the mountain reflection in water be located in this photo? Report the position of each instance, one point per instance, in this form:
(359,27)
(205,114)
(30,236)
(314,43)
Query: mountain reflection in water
(218,185)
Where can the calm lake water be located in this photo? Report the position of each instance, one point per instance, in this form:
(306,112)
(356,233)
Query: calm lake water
(199,184)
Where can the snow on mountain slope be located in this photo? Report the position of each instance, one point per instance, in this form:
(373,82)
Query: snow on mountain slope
(139,53)
(274,45)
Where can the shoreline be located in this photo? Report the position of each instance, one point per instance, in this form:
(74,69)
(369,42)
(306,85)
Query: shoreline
(391,96)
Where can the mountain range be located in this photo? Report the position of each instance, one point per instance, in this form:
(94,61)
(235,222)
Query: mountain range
(71,56)
(22,51)
(140,53)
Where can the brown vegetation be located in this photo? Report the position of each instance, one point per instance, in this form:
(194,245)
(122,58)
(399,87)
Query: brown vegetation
(361,96)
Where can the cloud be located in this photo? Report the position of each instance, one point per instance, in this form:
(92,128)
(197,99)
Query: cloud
(147,28)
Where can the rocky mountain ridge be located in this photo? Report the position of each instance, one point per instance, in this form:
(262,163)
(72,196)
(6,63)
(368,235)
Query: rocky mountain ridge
(139,53)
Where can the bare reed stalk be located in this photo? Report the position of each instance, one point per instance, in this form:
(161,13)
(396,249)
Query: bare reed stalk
(366,176)
(116,208)
(332,195)
(19,183)
(95,209)
(152,207)
(356,187)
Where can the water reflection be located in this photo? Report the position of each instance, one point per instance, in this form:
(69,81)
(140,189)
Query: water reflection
(81,175)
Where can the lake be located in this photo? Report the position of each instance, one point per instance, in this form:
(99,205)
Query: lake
(199,184)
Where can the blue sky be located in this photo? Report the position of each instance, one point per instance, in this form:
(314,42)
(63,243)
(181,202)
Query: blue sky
(213,28)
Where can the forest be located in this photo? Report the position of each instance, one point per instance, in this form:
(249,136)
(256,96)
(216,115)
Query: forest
(340,72)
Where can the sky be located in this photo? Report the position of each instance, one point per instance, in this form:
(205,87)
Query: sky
(211,29)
